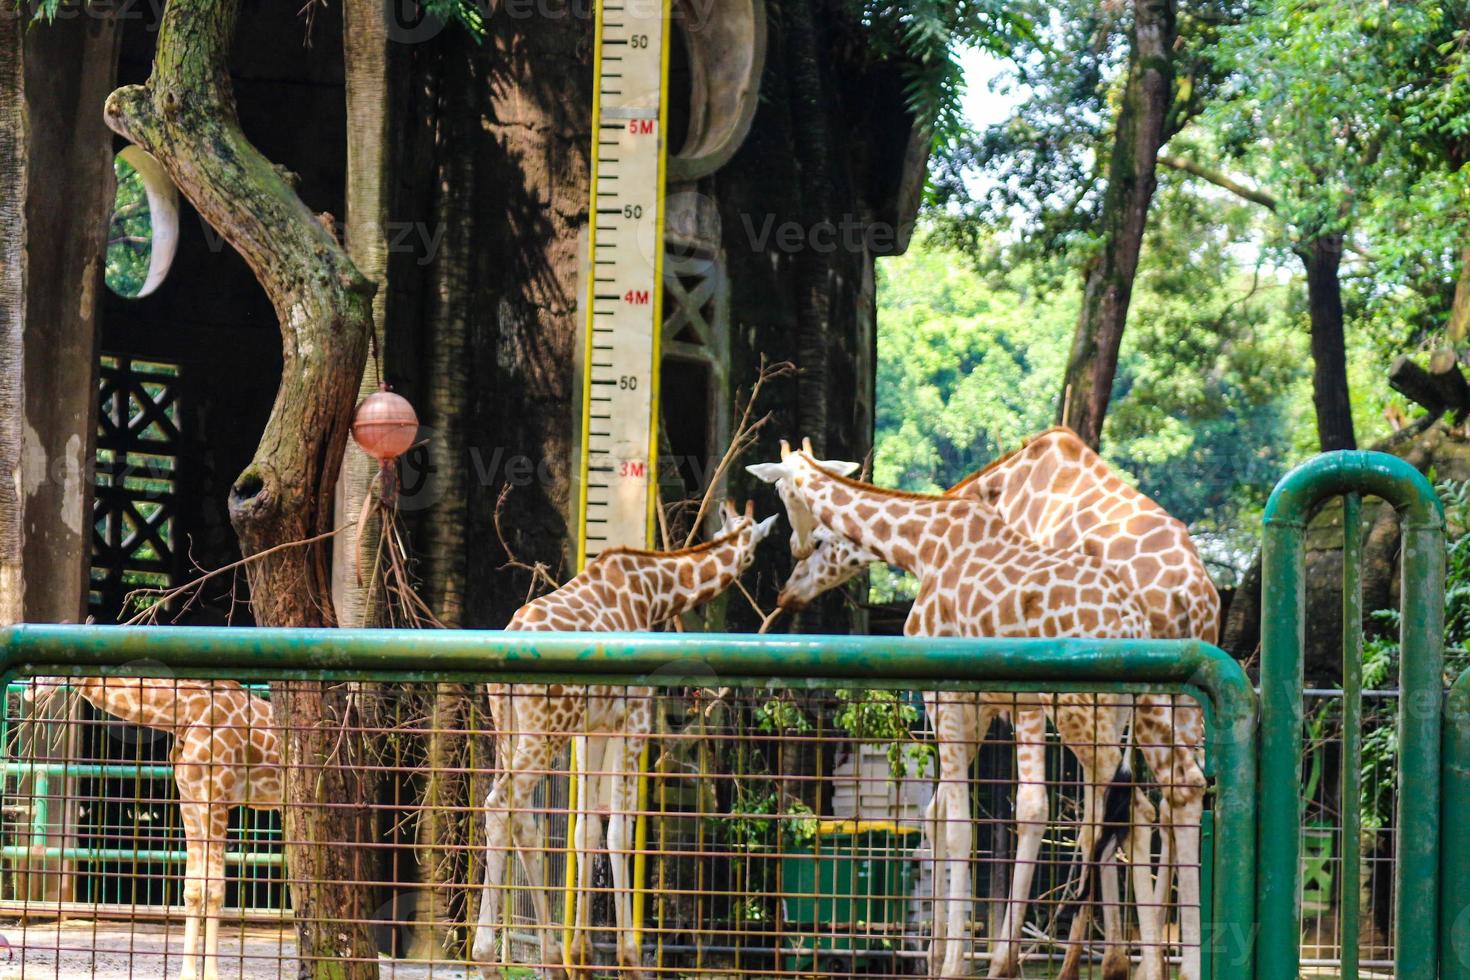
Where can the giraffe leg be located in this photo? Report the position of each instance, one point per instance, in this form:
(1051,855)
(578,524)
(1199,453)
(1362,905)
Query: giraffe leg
(589,757)
(497,850)
(195,835)
(953,718)
(1086,839)
(1030,727)
(1093,731)
(509,825)
(528,832)
(1145,899)
(620,842)
(1185,814)
(214,886)
(1169,745)
(934,828)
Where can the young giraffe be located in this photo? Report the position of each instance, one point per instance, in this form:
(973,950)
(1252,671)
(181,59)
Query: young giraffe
(978,577)
(625,590)
(225,754)
(1061,494)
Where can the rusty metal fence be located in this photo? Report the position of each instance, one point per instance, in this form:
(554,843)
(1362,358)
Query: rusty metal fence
(779,823)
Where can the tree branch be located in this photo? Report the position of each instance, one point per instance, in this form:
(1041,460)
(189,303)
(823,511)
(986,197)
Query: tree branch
(1220,179)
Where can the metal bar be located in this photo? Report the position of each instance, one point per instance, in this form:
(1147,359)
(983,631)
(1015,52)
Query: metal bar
(1352,730)
(1421,669)
(84,770)
(1454,940)
(127,854)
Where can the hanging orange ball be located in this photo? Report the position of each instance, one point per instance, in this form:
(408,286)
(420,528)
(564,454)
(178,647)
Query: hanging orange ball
(385,425)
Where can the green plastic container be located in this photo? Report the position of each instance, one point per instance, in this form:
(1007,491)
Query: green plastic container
(845,894)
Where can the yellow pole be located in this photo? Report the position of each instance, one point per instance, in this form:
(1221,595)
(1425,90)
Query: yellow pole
(569,896)
(640,848)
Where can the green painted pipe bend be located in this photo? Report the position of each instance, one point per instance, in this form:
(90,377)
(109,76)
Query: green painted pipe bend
(1421,679)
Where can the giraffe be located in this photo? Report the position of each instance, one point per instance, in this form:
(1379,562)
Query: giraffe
(622,589)
(1061,494)
(225,754)
(979,577)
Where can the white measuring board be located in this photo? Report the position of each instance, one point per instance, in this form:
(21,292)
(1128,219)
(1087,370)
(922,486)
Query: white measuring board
(624,283)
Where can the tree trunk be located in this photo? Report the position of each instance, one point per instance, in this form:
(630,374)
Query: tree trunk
(1108,287)
(12,311)
(365,53)
(446,375)
(1321,257)
(810,107)
(185,116)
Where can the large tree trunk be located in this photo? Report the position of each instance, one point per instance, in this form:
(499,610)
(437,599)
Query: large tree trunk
(1131,180)
(1321,257)
(370,120)
(185,116)
(811,106)
(12,311)
(447,357)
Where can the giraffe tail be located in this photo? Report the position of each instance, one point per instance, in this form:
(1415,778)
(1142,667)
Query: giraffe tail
(1117,812)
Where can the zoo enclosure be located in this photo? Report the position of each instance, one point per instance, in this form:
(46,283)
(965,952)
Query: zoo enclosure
(677,661)
(1430,857)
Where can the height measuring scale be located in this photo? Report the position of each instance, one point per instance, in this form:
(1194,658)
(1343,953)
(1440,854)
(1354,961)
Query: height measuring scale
(624,310)
(624,299)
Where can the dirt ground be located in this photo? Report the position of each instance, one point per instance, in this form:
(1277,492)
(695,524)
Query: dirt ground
(87,950)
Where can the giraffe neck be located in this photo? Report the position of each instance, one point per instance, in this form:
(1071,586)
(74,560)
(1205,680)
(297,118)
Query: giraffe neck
(669,585)
(904,530)
(134,700)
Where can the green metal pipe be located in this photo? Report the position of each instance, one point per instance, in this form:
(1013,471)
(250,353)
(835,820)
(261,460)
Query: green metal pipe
(1454,875)
(1421,680)
(666,659)
(1352,729)
(87,770)
(671,659)
(141,856)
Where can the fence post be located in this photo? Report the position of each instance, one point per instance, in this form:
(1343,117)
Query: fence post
(1454,941)
(1421,680)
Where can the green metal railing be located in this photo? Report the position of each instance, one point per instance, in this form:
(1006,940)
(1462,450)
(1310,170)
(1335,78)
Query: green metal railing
(1421,676)
(663,660)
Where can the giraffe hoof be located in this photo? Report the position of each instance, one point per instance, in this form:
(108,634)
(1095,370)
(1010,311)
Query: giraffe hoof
(1115,965)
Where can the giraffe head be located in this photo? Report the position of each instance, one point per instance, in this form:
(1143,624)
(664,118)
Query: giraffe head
(832,561)
(745,529)
(788,475)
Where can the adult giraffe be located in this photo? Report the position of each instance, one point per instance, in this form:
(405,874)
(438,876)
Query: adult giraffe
(1060,493)
(978,577)
(623,590)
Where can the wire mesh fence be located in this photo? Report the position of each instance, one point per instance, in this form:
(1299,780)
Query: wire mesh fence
(692,832)
(1326,879)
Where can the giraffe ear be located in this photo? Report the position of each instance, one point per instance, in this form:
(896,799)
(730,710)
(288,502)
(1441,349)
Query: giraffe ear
(763,529)
(839,466)
(769,472)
